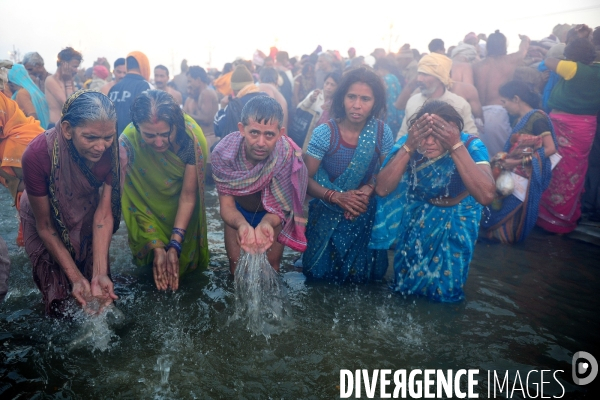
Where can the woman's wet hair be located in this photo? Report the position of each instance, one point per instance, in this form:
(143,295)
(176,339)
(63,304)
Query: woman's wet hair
(524,90)
(262,109)
(155,105)
(86,106)
(496,44)
(441,109)
(364,75)
(580,50)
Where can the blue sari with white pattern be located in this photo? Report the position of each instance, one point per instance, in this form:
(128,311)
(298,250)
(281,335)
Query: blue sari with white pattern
(433,244)
(338,247)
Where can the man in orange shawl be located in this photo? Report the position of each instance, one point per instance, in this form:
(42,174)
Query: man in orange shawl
(16,131)
(135,82)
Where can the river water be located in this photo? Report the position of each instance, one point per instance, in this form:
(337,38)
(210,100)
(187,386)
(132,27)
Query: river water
(530,306)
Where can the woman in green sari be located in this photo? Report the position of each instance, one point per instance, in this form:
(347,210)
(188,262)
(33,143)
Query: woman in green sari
(163,159)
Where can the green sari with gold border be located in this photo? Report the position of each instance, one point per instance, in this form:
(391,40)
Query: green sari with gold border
(151,188)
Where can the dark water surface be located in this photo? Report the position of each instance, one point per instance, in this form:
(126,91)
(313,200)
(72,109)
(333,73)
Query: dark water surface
(529,306)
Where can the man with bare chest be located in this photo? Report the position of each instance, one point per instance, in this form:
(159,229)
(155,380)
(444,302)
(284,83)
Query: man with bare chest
(202,103)
(261,180)
(61,85)
(489,74)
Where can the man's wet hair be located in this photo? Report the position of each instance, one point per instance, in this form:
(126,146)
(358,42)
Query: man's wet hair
(118,62)
(496,44)
(442,110)
(268,75)
(262,109)
(132,63)
(524,90)
(436,45)
(580,50)
(363,75)
(156,105)
(197,72)
(160,66)
(67,55)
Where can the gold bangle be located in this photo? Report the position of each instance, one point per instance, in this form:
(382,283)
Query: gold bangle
(456,146)
(406,148)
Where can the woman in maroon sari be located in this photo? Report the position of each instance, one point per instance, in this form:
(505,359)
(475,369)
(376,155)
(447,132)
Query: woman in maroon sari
(71,205)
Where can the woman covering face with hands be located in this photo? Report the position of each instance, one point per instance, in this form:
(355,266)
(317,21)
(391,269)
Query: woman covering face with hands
(432,188)
(342,158)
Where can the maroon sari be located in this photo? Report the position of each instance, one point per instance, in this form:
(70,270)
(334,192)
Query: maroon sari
(74,195)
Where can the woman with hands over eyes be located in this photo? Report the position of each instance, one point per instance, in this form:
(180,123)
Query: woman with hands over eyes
(431,191)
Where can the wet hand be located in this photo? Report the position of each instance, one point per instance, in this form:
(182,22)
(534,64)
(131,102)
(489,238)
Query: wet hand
(419,131)
(247,238)
(172,269)
(264,237)
(353,202)
(159,269)
(446,133)
(102,290)
(81,291)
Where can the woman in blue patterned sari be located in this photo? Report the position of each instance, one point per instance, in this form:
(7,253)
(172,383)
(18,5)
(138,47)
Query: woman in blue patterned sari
(342,158)
(527,154)
(432,186)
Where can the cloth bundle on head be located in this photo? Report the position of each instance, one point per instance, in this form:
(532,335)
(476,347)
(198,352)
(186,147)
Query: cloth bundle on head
(101,72)
(5,65)
(241,78)
(143,63)
(437,65)
(465,50)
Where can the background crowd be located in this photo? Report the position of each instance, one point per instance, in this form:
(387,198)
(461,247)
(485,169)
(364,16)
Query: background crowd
(525,107)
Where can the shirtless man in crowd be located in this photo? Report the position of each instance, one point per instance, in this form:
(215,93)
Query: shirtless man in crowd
(161,78)
(61,85)
(489,74)
(202,103)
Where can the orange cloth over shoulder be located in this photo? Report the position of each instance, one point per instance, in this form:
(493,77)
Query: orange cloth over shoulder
(16,131)
(143,62)
(223,84)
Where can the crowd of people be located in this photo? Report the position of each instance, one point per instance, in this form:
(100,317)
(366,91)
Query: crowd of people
(416,153)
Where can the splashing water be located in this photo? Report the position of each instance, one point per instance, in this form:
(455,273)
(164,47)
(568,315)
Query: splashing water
(97,330)
(163,365)
(260,296)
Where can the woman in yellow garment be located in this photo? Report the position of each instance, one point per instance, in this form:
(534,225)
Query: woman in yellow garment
(163,159)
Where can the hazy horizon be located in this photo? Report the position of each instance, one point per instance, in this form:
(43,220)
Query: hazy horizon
(217,38)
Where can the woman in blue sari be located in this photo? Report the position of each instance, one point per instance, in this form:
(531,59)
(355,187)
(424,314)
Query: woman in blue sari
(342,158)
(432,186)
(527,154)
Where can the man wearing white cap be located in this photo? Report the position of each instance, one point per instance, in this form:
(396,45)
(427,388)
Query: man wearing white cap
(433,80)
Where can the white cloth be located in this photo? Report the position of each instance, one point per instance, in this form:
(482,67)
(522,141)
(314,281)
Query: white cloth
(496,128)
(460,105)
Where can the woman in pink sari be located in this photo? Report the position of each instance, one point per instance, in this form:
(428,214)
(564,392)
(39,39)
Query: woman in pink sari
(575,101)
